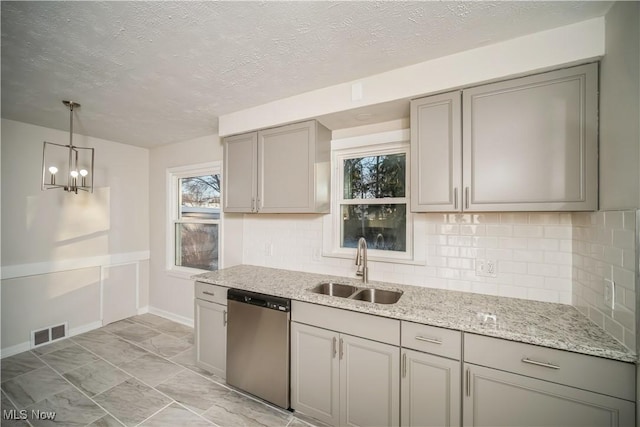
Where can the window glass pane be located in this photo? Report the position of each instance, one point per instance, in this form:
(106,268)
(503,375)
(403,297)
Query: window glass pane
(197,246)
(200,197)
(374,177)
(383,226)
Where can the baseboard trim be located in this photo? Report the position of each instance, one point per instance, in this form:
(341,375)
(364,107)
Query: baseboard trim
(26,346)
(143,310)
(171,316)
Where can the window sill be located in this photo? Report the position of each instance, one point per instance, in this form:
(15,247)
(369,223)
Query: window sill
(373,258)
(184,273)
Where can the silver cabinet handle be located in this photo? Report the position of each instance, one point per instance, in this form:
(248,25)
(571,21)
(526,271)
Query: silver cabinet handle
(224,318)
(209,293)
(253,204)
(341,348)
(258,204)
(466,197)
(468,382)
(455,198)
(431,340)
(404,365)
(335,347)
(543,364)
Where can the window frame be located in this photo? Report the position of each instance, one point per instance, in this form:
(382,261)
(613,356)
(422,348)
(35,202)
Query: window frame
(173,218)
(394,142)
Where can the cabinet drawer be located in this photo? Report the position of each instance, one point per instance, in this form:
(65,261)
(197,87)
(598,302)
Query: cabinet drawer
(349,322)
(212,293)
(430,339)
(592,373)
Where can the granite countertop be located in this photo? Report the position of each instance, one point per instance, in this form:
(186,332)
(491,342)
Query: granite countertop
(551,325)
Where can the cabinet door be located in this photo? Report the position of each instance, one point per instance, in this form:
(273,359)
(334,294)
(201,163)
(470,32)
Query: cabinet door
(369,383)
(430,390)
(240,181)
(315,372)
(211,337)
(531,143)
(497,398)
(436,153)
(286,157)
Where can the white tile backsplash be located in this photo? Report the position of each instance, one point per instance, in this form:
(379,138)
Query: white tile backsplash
(553,257)
(604,249)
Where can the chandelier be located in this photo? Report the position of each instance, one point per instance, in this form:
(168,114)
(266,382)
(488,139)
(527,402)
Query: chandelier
(74,163)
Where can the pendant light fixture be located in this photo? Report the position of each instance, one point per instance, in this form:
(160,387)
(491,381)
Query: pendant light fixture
(75,163)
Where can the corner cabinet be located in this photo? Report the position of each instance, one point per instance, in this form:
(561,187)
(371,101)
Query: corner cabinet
(342,379)
(280,170)
(210,325)
(515,384)
(528,144)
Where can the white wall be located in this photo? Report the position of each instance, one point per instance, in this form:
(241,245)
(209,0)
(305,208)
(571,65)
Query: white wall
(57,246)
(620,109)
(171,294)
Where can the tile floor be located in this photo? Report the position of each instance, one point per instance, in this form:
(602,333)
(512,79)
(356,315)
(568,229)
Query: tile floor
(136,372)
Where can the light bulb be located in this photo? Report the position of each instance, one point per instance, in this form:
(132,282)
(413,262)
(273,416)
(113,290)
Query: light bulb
(83,172)
(74,174)
(53,170)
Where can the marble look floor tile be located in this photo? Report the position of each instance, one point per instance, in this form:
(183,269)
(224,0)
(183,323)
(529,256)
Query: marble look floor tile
(174,329)
(151,369)
(10,418)
(132,402)
(187,359)
(96,377)
(192,391)
(136,333)
(71,409)
(190,338)
(54,346)
(148,319)
(18,365)
(165,345)
(34,386)
(69,358)
(176,415)
(106,421)
(116,326)
(234,409)
(302,420)
(112,348)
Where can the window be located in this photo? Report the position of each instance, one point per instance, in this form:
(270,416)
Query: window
(371,200)
(194,203)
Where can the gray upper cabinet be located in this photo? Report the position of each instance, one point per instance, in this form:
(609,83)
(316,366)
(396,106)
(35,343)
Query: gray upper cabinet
(436,153)
(240,172)
(280,170)
(528,144)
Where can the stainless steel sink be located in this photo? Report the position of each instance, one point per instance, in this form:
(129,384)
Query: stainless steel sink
(334,289)
(379,296)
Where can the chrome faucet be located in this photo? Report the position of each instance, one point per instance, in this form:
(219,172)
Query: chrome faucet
(361,260)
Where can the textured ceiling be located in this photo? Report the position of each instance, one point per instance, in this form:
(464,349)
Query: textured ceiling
(151,73)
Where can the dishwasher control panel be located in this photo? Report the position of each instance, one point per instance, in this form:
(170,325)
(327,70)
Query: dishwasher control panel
(261,300)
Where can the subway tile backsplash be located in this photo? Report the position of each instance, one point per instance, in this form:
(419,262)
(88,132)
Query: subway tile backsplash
(553,257)
(604,250)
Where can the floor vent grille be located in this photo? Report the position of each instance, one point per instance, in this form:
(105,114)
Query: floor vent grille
(49,334)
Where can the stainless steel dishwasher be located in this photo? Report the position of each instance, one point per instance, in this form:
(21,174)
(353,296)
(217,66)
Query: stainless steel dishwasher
(258,345)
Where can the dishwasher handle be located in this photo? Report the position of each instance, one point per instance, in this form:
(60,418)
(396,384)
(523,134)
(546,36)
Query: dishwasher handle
(260,300)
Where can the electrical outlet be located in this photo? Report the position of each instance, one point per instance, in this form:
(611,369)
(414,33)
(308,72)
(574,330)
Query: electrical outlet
(610,294)
(486,267)
(316,255)
(268,249)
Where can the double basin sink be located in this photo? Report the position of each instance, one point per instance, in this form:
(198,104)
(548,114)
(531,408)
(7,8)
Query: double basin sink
(380,296)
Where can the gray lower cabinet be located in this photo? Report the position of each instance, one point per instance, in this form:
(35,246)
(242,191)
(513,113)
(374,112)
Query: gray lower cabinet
(515,384)
(430,390)
(344,380)
(496,398)
(278,170)
(210,321)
